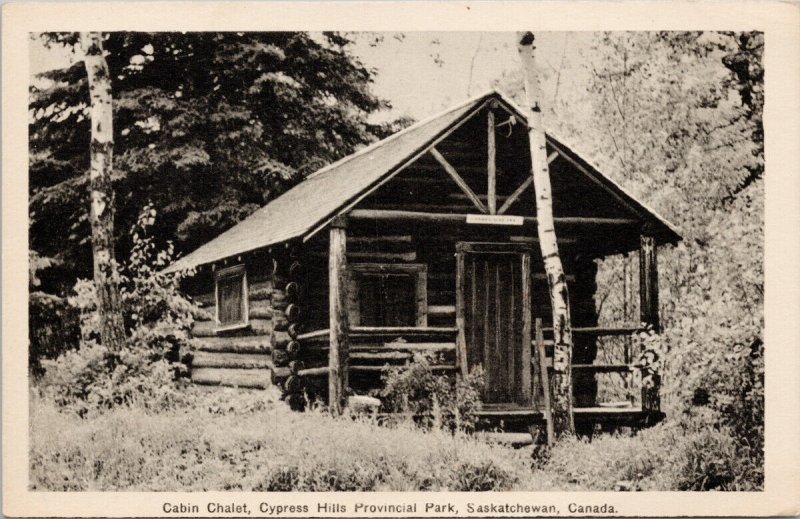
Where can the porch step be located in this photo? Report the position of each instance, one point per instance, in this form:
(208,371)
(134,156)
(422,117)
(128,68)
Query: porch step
(511,439)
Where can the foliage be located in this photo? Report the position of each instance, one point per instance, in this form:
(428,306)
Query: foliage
(676,118)
(208,127)
(53,327)
(683,454)
(157,319)
(698,156)
(435,400)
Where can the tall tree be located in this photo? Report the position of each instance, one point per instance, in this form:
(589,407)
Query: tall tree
(563,422)
(101,193)
(208,127)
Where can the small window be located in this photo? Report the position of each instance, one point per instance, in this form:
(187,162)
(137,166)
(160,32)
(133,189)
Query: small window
(388,295)
(231,293)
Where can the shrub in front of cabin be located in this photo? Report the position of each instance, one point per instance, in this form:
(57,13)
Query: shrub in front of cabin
(434,400)
(148,370)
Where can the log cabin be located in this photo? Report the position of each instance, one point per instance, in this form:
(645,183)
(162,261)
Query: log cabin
(426,242)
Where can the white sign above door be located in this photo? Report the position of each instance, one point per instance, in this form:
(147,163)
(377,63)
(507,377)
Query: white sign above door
(494,219)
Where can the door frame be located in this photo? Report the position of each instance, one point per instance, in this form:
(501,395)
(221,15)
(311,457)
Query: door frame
(524,252)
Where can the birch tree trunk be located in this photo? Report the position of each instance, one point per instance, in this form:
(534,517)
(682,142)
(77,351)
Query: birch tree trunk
(563,422)
(101,195)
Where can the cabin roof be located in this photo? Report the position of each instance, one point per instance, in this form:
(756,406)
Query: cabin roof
(314,202)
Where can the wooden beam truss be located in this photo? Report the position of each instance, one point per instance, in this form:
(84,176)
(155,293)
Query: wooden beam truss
(458,180)
(522,187)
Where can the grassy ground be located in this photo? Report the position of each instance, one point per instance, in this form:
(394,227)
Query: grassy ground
(237,440)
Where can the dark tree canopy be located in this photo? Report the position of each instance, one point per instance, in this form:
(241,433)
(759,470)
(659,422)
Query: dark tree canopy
(208,127)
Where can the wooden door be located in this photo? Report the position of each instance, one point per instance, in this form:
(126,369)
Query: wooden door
(494,318)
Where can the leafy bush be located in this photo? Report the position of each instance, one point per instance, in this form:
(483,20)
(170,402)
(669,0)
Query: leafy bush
(434,400)
(157,319)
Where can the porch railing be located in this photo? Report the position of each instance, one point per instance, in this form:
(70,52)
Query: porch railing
(630,369)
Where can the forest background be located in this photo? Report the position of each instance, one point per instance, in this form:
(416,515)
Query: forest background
(673,117)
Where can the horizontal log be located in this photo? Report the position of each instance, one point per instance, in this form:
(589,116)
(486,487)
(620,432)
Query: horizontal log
(534,239)
(211,329)
(205,314)
(374,256)
(409,346)
(404,238)
(257,286)
(313,372)
(401,330)
(260,326)
(380,356)
(246,344)
(381,369)
(383,256)
(278,375)
(320,348)
(441,309)
(279,321)
(205,300)
(261,294)
(364,332)
(387,215)
(279,299)
(316,334)
(245,378)
(204,359)
(204,329)
(259,311)
(280,340)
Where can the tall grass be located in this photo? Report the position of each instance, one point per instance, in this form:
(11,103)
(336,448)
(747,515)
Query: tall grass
(249,441)
(245,442)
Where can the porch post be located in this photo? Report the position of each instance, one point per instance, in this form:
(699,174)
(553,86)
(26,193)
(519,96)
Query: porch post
(338,355)
(491,166)
(648,281)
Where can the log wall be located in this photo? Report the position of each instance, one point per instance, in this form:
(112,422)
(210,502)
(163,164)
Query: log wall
(434,246)
(240,357)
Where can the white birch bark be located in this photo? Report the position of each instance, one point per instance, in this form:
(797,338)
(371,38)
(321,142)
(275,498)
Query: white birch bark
(101,195)
(563,421)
